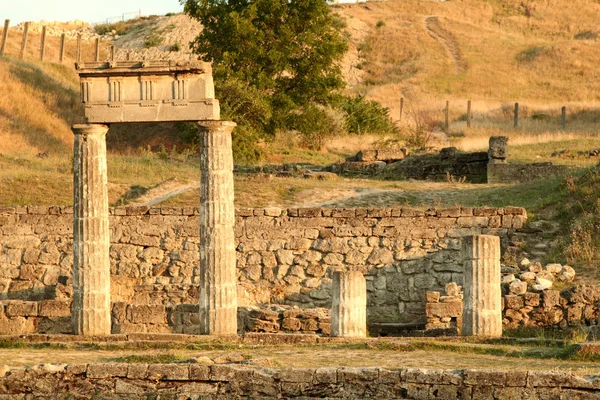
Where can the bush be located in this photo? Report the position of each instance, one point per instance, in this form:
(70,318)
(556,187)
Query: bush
(366,116)
(153,40)
(175,47)
(417,134)
(586,35)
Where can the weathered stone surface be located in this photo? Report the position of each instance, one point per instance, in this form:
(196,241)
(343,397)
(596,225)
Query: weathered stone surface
(482,314)
(154,257)
(148,91)
(218,292)
(91,241)
(498,149)
(349,304)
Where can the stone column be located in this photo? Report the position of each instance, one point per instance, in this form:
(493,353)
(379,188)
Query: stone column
(482,310)
(349,304)
(218,277)
(498,149)
(91,237)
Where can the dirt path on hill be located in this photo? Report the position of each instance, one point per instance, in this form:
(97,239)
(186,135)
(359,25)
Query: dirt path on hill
(447,39)
(164,191)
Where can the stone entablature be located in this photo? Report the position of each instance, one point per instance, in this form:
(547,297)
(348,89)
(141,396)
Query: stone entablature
(147,91)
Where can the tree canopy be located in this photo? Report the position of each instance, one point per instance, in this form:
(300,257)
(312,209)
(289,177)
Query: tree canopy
(276,65)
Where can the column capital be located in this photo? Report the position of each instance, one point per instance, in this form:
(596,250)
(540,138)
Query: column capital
(216,125)
(89,129)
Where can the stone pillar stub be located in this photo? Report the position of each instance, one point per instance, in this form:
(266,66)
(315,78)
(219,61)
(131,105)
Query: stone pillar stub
(498,149)
(482,315)
(349,304)
(218,275)
(91,236)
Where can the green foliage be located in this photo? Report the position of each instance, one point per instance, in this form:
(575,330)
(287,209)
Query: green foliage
(274,62)
(586,35)
(315,124)
(175,47)
(366,116)
(530,54)
(380,24)
(153,40)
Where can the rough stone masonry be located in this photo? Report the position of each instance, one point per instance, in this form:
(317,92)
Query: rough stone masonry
(283,256)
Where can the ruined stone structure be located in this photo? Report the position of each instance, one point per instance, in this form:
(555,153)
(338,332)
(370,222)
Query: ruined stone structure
(448,165)
(349,304)
(151,91)
(283,256)
(482,314)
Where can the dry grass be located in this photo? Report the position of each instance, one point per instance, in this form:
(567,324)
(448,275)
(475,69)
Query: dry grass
(510,56)
(403,354)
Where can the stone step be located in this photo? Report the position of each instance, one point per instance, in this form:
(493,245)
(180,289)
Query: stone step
(395,329)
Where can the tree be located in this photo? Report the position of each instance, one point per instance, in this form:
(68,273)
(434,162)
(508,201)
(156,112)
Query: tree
(270,57)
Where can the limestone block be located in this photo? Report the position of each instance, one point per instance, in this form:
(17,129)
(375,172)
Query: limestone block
(349,304)
(498,148)
(482,314)
(22,309)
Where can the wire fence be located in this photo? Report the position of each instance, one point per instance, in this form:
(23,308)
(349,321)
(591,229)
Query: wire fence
(120,18)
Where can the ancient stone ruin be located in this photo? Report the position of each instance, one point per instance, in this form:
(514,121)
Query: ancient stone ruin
(448,165)
(151,91)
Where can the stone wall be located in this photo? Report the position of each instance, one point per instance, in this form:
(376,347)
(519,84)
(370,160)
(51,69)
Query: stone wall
(226,381)
(283,257)
(516,173)
(445,166)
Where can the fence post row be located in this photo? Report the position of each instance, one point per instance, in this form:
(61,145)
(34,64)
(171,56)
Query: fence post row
(97,53)
(78,47)
(469,114)
(43,44)
(4,37)
(401,108)
(61,55)
(24,41)
(447,122)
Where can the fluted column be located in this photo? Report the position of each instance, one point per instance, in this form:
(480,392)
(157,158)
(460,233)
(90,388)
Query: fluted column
(218,280)
(349,304)
(90,309)
(482,315)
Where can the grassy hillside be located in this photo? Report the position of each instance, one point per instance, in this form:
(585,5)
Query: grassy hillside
(536,51)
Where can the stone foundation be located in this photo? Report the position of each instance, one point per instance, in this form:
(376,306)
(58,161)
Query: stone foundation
(226,381)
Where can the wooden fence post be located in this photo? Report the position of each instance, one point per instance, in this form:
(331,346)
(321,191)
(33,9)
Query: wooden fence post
(43,44)
(97,55)
(447,122)
(516,125)
(4,36)
(24,41)
(469,114)
(401,108)
(112,53)
(78,47)
(61,55)
(563,118)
